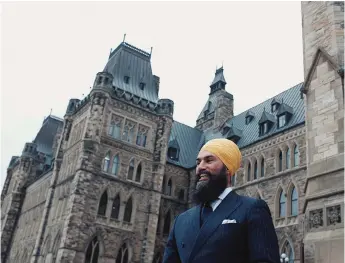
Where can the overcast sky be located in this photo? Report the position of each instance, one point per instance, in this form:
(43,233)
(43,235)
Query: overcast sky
(52,51)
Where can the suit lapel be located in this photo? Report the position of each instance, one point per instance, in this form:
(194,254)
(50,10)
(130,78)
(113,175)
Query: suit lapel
(225,208)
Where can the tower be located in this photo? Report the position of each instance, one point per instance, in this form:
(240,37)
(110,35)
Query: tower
(219,106)
(323,50)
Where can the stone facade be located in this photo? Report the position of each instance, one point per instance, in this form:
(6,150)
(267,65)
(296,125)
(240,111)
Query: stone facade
(112,194)
(323,39)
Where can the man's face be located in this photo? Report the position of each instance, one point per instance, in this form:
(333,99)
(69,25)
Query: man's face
(212,177)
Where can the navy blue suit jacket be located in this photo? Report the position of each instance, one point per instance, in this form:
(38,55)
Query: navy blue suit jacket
(251,239)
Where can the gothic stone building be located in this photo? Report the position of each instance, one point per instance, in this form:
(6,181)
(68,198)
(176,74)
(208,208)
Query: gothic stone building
(105,183)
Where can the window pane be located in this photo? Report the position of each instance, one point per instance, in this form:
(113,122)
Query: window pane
(115,166)
(296,156)
(103,204)
(256,170)
(288,158)
(262,167)
(128,211)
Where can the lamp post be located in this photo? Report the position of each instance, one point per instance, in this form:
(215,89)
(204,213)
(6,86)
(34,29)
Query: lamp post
(284,258)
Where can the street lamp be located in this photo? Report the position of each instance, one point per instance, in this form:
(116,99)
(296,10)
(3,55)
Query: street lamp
(284,258)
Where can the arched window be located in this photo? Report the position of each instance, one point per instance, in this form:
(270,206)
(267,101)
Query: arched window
(138,175)
(92,251)
(115,167)
(181,194)
(294,202)
(128,211)
(296,156)
(280,161)
(288,251)
(167,222)
(131,170)
(262,167)
(248,172)
(282,205)
(122,256)
(111,128)
(288,155)
(106,163)
(256,170)
(116,208)
(102,208)
(169,187)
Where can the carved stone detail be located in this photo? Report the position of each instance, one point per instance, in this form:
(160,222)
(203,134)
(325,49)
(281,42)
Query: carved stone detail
(333,215)
(316,218)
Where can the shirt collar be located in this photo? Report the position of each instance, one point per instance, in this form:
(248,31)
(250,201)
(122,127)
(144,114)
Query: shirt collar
(225,193)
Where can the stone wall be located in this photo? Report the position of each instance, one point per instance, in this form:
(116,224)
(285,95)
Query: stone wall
(269,187)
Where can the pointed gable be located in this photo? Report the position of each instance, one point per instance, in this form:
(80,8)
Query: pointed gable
(320,53)
(218,82)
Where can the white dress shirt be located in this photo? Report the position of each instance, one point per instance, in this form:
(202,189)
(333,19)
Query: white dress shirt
(216,203)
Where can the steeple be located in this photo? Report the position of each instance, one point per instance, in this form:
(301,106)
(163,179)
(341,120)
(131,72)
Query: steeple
(218,82)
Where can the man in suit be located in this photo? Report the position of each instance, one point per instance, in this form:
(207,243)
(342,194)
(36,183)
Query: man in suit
(224,226)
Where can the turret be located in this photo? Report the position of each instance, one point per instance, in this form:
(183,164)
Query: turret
(103,80)
(165,106)
(156,83)
(30,150)
(72,104)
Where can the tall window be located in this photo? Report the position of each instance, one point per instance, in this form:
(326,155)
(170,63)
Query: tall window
(288,158)
(256,170)
(102,207)
(128,131)
(128,211)
(288,250)
(281,120)
(262,167)
(138,174)
(116,208)
(142,136)
(296,156)
(106,163)
(169,187)
(167,222)
(122,256)
(115,167)
(282,205)
(92,251)
(248,172)
(294,202)
(280,164)
(115,126)
(131,170)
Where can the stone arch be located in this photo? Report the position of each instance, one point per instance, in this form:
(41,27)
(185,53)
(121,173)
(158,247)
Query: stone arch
(106,162)
(139,170)
(103,203)
(258,193)
(131,169)
(280,191)
(116,207)
(289,198)
(94,244)
(129,208)
(248,168)
(115,164)
(167,222)
(286,247)
(124,249)
(279,159)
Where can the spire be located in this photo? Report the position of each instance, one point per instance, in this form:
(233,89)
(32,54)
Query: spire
(218,82)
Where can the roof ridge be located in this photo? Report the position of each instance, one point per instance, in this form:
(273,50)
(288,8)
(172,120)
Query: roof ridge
(268,99)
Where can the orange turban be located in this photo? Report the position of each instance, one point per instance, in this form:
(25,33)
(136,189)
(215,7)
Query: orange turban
(227,151)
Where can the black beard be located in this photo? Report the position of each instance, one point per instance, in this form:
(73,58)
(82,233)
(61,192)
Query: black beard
(209,190)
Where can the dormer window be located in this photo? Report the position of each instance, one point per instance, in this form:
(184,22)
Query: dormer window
(266,122)
(142,85)
(264,128)
(126,79)
(173,153)
(248,119)
(281,120)
(274,107)
(275,104)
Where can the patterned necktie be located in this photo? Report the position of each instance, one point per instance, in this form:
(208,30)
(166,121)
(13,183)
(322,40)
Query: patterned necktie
(206,211)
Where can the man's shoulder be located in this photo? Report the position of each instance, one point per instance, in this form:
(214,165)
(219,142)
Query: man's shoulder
(188,212)
(251,201)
